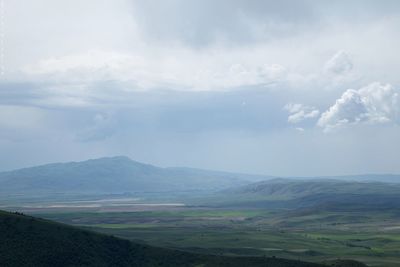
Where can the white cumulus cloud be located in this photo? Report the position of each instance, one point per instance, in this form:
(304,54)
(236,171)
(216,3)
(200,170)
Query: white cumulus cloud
(375,103)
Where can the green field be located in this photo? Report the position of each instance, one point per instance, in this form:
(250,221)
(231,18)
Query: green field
(369,237)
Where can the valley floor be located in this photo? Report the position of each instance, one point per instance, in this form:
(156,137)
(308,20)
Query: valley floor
(317,236)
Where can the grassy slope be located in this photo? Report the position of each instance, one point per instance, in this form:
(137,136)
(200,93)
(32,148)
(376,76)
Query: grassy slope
(28,241)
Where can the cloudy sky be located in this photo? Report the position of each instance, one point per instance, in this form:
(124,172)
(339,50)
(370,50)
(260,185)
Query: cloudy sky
(273,87)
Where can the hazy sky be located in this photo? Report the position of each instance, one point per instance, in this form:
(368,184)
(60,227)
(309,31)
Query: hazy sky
(274,87)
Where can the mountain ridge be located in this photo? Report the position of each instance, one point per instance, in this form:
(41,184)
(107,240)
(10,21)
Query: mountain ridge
(120,174)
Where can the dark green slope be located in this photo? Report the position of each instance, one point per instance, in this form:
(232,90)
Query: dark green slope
(29,241)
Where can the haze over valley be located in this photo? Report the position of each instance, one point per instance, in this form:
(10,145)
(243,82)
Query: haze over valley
(198,211)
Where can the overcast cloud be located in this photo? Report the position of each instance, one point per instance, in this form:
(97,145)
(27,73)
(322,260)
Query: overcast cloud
(274,87)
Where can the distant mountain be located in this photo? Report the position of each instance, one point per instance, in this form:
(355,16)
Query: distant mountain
(29,241)
(115,175)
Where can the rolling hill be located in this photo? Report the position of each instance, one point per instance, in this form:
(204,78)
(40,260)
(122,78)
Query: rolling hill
(291,188)
(384,178)
(328,194)
(29,241)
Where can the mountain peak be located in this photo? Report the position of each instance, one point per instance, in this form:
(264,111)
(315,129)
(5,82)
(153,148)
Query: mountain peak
(118,158)
(118,174)
(114,158)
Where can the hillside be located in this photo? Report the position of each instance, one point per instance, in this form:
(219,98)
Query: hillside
(29,241)
(291,188)
(334,195)
(115,175)
(384,178)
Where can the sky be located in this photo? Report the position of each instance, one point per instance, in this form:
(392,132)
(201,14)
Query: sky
(286,88)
